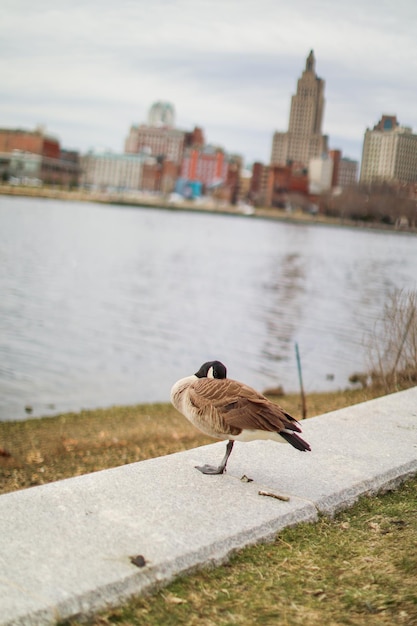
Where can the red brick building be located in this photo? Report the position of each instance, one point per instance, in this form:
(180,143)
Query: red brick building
(207,166)
(35,142)
(159,175)
(36,155)
(272,185)
(218,172)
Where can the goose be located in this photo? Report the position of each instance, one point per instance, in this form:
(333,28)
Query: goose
(227,409)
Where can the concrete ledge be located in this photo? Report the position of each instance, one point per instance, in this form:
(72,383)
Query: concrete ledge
(66,547)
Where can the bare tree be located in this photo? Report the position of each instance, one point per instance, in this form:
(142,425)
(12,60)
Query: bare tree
(392,350)
(378,203)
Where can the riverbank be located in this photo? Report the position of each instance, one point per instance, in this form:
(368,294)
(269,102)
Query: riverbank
(141,199)
(93,542)
(147,200)
(38,451)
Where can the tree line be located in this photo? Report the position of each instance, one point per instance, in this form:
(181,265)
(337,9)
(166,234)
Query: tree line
(374,203)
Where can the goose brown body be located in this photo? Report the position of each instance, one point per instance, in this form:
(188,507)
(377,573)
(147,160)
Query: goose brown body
(227,409)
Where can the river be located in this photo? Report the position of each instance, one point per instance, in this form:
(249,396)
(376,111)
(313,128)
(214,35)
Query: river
(103,305)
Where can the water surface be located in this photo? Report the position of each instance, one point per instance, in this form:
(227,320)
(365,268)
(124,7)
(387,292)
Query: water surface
(103,305)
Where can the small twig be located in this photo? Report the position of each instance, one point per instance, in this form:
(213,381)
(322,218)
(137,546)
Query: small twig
(273,495)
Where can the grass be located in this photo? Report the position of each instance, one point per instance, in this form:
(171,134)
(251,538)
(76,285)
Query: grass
(358,568)
(38,451)
(53,448)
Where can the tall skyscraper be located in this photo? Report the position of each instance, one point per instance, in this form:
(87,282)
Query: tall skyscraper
(303,140)
(389,153)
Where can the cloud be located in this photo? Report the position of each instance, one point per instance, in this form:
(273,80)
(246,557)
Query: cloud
(88,70)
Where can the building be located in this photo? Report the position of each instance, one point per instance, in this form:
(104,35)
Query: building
(159,138)
(304,140)
(277,185)
(285,183)
(217,171)
(345,170)
(34,142)
(389,153)
(24,168)
(208,166)
(162,114)
(30,157)
(165,147)
(162,142)
(245,182)
(320,174)
(347,174)
(258,188)
(106,171)
(195,138)
(159,175)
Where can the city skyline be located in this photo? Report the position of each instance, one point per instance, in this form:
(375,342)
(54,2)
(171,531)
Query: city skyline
(88,71)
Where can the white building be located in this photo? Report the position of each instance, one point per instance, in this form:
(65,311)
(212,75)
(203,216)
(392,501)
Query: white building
(108,170)
(389,153)
(320,173)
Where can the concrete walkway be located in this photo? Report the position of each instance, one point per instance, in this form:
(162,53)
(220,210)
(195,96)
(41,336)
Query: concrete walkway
(66,547)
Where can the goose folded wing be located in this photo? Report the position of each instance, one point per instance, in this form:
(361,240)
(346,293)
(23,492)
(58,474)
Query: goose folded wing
(257,415)
(240,406)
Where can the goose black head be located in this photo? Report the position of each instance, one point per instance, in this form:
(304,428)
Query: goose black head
(212,369)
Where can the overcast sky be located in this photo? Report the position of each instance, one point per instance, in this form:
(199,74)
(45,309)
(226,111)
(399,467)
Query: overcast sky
(88,69)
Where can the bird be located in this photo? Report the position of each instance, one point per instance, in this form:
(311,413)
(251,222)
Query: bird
(226,409)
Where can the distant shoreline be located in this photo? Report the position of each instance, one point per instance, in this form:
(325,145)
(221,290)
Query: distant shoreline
(139,200)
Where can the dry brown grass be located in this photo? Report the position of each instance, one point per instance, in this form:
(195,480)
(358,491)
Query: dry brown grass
(48,449)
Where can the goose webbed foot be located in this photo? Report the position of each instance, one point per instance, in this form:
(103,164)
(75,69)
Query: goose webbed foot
(211,469)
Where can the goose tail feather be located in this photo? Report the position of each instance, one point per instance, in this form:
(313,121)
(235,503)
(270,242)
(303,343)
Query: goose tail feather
(296,441)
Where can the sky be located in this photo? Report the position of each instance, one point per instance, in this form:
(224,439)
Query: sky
(87,70)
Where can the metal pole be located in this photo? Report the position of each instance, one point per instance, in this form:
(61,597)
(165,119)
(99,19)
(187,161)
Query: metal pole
(300,377)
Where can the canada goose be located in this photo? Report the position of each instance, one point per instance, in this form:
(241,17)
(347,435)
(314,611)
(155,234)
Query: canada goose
(226,409)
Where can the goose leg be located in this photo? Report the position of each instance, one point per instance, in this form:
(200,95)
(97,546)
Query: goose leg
(211,469)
